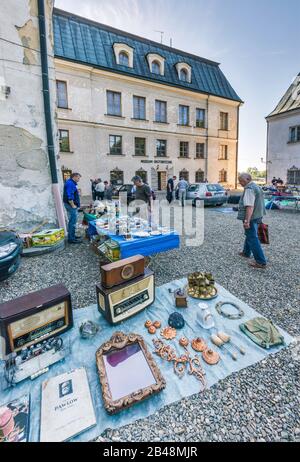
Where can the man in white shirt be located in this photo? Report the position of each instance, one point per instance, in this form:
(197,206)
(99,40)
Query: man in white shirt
(100,188)
(182,189)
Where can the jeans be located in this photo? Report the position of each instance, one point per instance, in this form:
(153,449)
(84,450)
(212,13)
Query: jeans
(72,216)
(252,243)
(182,196)
(99,195)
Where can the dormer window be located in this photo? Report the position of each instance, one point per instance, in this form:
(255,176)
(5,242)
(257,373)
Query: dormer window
(155,67)
(123,59)
(123,54)
(156,63)
(184,72)
(183,75)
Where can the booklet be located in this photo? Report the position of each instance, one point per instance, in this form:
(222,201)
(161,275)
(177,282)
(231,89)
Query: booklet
(14,420)
(67,408)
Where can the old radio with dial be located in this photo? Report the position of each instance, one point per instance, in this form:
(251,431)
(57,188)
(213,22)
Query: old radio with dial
(125,300)
(33,318)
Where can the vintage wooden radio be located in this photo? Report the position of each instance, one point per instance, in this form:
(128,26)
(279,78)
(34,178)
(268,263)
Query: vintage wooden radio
(33,318)
(121,302)
(121,271)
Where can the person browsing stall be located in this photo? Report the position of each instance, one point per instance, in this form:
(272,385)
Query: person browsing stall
(100,189)
(72,203)
(182,189)
(142,191)
(251,211)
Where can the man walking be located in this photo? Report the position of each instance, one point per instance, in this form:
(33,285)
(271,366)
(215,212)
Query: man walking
(170,189)
(72,203)
(108,191)
(251,210)
(182,188)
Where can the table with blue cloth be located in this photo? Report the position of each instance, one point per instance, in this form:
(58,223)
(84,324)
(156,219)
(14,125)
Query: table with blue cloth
(145,246)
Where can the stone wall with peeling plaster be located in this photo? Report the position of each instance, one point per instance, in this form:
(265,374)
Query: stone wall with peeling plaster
(25,184)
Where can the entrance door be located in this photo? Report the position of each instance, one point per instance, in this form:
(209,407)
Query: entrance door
(162,180)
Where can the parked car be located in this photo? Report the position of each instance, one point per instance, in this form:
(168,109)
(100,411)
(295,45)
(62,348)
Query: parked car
(10,253)
(124,188)
(128,189)
(210,193)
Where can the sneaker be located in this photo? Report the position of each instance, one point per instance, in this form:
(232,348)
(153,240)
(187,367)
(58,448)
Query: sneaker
(242,254)
(76,241)
(256,265)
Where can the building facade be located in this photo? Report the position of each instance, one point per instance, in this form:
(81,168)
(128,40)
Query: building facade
(283,138)
(25,181)
(126,105)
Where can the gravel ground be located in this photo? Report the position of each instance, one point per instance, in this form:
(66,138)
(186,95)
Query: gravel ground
(260,403)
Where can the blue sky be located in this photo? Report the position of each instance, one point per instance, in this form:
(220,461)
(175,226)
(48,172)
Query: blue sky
(256,42)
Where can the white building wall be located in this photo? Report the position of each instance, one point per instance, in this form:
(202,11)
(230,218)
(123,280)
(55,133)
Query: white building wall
(90,127)
(281,154)
(25,184)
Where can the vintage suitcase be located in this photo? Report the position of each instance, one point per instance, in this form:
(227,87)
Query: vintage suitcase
(119,303)
(121,271)
(34,317)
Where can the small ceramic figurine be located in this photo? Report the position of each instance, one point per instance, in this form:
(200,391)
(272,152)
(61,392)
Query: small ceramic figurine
(88,329)
(205,317)
(168,333)
(176,320)
(152,330)
(198,344)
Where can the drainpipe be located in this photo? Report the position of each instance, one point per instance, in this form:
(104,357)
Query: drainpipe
(48,119)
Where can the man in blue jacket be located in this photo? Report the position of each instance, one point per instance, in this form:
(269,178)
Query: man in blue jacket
(72,203)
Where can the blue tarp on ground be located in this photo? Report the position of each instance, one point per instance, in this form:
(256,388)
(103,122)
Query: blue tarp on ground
(83,354)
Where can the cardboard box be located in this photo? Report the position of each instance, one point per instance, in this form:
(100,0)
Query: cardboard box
(48,237)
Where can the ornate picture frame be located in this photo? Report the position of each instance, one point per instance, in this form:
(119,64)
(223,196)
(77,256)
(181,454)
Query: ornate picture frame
(118,342)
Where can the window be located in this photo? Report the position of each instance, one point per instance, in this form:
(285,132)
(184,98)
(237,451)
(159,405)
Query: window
(200,150)
(294,134)
(199,176)
(223,120)
(155,67)
(62,95)
(293,176)
(114,103)
(223,154)
(123,59)
(139,146)
(161,148)
(115,145)
(184,117)
(160,111)
(143,174)
(184,72)
(200,118)
(184,174)
(139,107)
(184,149)
(183,75)
(123,54)
(64,141)
(156,63)
(223,176)
(116,177)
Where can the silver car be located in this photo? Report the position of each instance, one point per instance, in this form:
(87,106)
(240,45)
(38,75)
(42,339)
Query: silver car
(210,193)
